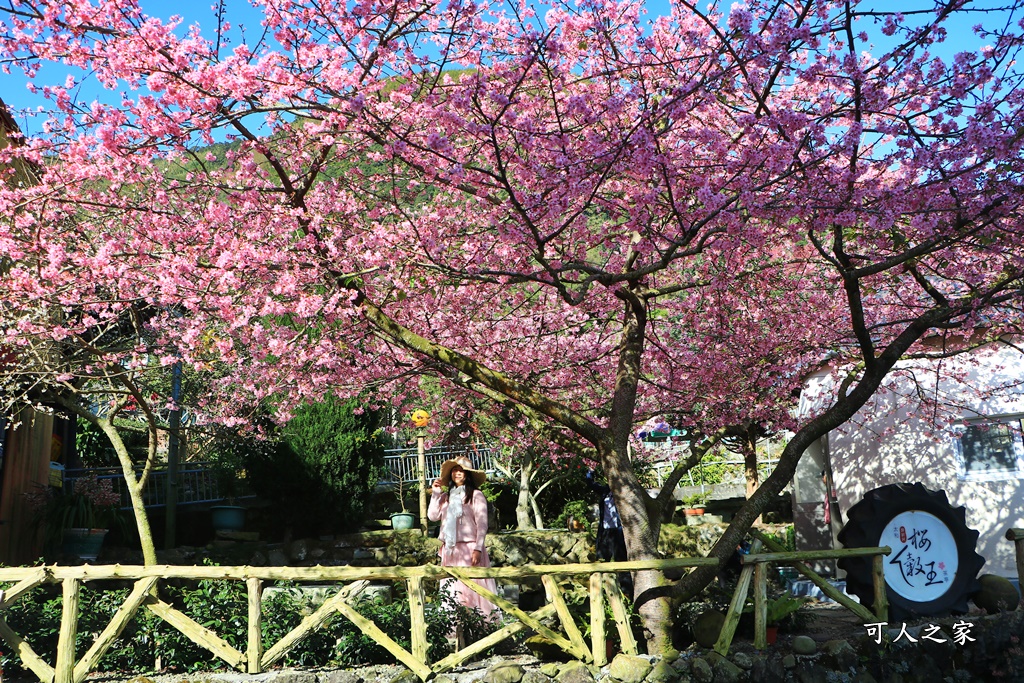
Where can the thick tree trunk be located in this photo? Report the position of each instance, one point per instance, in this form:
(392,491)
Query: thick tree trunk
(750,468)
(633,502)
(641,533)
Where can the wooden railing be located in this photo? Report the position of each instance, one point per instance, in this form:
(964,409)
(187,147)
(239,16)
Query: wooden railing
(69,668)
(755,566)
(602,586)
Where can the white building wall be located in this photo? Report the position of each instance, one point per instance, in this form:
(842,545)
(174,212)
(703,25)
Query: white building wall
(898,438)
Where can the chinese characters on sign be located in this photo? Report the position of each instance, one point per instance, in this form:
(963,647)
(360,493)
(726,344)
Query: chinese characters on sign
(961,633)
(924,556)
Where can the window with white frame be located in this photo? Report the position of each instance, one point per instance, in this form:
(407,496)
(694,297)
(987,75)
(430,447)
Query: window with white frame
(991,448)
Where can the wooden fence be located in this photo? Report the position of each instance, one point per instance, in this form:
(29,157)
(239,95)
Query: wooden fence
(69,668)
(755,566)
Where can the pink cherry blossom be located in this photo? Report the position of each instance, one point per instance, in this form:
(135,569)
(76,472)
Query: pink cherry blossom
(591,215)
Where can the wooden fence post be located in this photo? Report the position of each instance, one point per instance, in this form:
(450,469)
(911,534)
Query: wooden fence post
(117,624)
(626,639)
(760,605)
(417,619)
(65,669)
(565,617)
(739,598)
(254,647)
(878,579)
(598,640)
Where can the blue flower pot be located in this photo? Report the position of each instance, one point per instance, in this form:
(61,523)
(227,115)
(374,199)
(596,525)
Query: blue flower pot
(402,520)
(227,517)
(83,543)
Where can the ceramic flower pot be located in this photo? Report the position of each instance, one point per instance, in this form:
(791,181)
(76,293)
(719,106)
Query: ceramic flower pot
(227,517)
(402,520)
(83,543)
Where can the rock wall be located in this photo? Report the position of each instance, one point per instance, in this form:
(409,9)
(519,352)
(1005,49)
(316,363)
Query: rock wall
(408,548)
(383,548)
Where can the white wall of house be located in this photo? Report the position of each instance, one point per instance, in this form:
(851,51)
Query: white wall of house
(964,439)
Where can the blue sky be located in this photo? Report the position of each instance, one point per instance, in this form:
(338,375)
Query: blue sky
(239,12)
(18,97)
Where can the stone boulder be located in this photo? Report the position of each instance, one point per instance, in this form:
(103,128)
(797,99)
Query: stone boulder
(663,672)
(574,672)
(629,669)
(997,594)
(707,627)
(504,672)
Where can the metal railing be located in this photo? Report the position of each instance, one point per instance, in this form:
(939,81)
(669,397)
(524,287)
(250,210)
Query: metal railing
(729,471)
(400,463)
(197,483)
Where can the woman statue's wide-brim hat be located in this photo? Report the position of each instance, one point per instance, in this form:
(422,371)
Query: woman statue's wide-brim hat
(478,476)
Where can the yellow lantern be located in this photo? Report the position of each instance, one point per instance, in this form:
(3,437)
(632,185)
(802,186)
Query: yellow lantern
(420,418)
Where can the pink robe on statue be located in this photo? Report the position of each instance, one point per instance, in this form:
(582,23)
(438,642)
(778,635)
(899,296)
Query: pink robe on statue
(469,536)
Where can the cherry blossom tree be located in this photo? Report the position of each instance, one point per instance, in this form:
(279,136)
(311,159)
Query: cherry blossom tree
(571,209)
(58,355)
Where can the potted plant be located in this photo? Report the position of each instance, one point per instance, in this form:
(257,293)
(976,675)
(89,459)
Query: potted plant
(777,611)
(227,468)
(78,517)
(404,519)
(694,505)
(575,516)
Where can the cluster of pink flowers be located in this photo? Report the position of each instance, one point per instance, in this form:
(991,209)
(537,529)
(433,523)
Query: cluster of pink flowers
(99,492)
(38,498)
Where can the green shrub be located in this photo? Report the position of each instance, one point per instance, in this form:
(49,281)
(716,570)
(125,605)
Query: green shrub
(92,445)
(329,456)
(787,538)
(282,613)
(697,500)
(568,477)
(579,510)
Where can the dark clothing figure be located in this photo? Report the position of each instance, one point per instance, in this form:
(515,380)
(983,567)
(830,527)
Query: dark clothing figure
(611,543)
